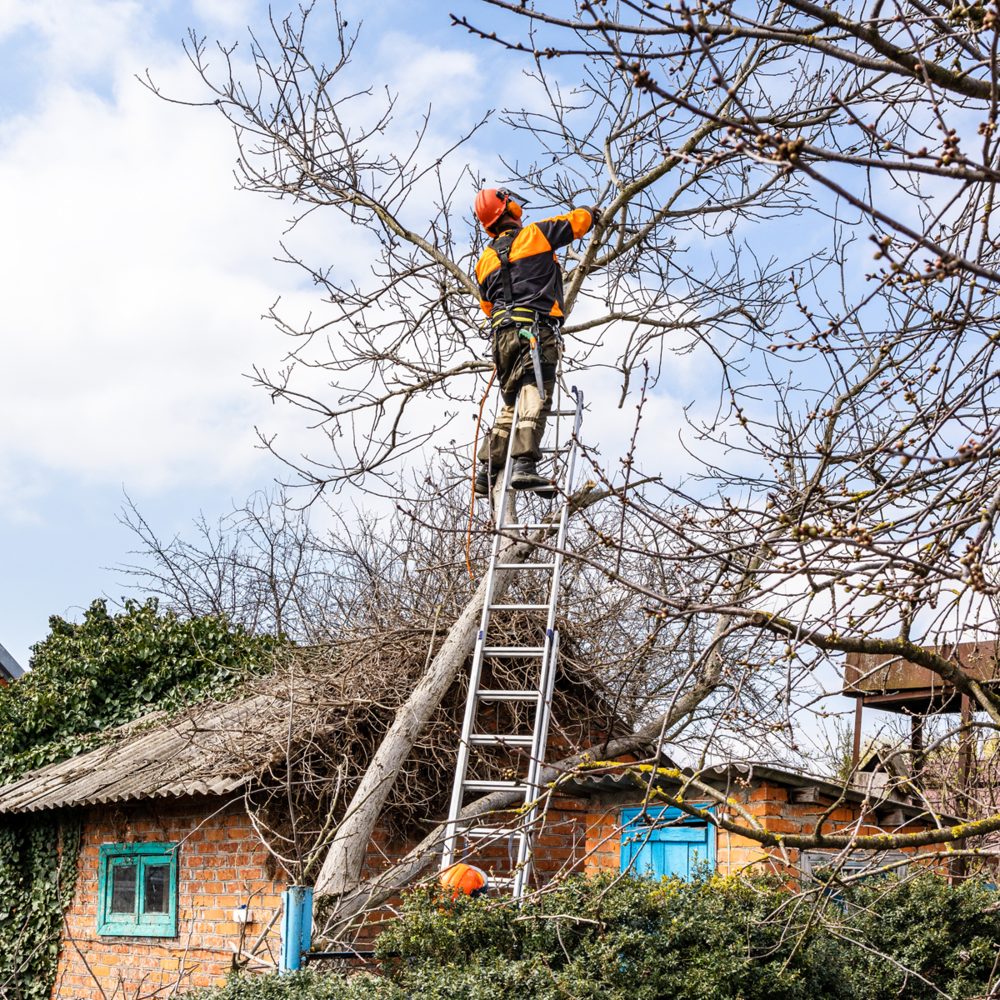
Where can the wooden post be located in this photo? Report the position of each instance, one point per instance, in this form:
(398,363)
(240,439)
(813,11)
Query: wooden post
(857,733)
(965,749)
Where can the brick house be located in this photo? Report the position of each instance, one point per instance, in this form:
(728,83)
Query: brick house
(665,841)
(174,881)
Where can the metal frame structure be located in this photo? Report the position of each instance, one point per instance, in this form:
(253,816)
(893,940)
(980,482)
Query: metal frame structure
(547,655)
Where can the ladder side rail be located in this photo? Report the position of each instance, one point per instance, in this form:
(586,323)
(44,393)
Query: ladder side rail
(564,515)
(561,532)
(551,665)
(542,710)
(574,440)
(464,744)
(508,467)
(543,715)
(558,407)
(475,674)
(469,715)
(548,670)
(535,766)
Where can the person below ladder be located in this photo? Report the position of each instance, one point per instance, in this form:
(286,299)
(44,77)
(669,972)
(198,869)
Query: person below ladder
(520,289)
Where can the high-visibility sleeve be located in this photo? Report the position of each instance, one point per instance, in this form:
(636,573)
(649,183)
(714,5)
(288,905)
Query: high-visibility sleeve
(561,230)
(489,261)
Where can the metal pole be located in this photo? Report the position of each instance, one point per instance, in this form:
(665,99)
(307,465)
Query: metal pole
(296,926)
(959,867)
(856,756)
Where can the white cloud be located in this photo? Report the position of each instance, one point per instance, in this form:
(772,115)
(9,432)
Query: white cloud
(232,13)
(135,288)
(135,278)
(136,275)
(77,37)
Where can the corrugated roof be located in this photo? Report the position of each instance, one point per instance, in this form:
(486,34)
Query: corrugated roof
(213,748)
(877,792)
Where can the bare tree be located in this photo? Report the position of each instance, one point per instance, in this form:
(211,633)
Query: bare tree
(841,494)
(855,508)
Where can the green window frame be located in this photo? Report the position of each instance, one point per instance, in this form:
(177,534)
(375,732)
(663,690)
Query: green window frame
(137,890)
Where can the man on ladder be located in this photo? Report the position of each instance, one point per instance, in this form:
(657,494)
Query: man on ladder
(521,291)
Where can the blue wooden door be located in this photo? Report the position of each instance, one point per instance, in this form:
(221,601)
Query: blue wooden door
(654,848)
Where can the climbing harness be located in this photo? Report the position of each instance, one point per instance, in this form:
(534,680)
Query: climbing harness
(525,319)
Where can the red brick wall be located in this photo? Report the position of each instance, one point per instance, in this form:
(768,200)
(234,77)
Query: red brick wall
(604,842)
(766,801)
(221,866)
(770,804)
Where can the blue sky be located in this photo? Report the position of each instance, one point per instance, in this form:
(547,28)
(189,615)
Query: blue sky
(135,278)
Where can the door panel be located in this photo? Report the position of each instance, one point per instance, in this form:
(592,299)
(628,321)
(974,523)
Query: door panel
(659,851)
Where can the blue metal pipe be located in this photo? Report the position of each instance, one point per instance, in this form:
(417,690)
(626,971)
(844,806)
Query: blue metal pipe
(296,926)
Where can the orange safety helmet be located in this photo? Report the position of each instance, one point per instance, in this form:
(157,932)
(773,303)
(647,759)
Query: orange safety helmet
(465,878)
(491,203)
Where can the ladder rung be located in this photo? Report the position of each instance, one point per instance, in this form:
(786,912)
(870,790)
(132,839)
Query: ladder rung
(513,650)
(563,413)
(475,785)
(485,695)
(520,607)
(554,451)
(490,831)
(529,527)
(494,739)
(525,565)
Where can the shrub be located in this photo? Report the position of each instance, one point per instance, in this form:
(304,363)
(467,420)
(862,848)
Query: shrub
(633,939)
(111,669)
(939,931)
(305,985)
(612,937)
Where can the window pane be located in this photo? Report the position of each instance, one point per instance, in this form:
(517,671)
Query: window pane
(156,879)
(123,889)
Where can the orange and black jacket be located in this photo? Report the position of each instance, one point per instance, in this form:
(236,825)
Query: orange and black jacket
(536,278)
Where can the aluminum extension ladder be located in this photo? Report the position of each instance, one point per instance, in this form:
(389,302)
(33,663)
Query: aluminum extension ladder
(546,655)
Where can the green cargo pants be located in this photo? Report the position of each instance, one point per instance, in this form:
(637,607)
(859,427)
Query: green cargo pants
(516,374)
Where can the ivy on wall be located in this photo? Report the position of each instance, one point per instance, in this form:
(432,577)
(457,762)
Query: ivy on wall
(37,876)
(87,678)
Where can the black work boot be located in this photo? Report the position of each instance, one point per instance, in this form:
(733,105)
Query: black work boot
(485,480)
(525,477)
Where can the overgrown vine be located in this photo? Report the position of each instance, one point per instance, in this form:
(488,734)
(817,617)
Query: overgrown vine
(87,679)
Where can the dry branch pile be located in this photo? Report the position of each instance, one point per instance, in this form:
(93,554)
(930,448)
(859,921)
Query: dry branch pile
(334,703)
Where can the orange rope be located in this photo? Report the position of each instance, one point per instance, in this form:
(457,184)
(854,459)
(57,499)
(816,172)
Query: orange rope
(475,447)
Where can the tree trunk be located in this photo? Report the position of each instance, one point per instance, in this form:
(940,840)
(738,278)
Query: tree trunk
(341,871)
(363,897)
